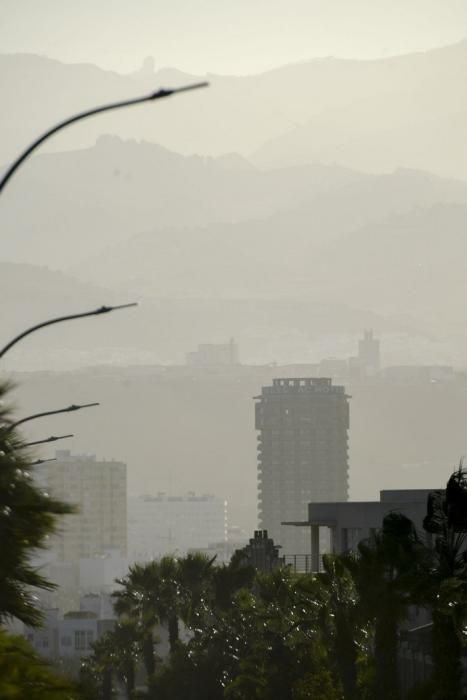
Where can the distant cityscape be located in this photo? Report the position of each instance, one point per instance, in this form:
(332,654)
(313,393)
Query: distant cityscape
(303,422)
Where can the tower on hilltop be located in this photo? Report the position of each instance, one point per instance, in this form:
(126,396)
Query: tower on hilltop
(369,352)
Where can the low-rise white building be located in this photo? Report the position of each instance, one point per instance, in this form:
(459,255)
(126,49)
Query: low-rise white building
(163,524)
(70,636)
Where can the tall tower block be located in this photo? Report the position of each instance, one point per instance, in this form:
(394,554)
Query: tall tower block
(302,454)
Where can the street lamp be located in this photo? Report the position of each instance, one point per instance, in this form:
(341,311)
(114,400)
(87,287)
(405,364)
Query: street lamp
(68,409)
(89,113)
(42,461)
(52,438)
(60,319)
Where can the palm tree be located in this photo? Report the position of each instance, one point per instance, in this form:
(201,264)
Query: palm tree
(385,571)
(28,516)
(195,575)
(138,601)
(342,619)
(170,597)
(23,674)
(227,580)
(124,639)
(96,675)
(446,520)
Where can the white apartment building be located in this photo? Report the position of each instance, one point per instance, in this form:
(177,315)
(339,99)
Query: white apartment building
(70,635)
(89,549)
(163,524)
(98,490)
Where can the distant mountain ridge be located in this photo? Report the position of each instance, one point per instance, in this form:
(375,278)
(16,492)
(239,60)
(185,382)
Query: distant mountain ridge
(376,115)
(70,206)
(66,206)
(409,262)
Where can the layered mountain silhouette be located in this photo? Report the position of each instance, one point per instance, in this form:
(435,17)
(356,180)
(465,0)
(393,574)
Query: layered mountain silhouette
(335,184)
(63,208)
(404,111)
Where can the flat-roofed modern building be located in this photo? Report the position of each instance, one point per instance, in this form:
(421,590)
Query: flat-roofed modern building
(350,523)
(98,489)
(164,524)
(214,355)
(302,454)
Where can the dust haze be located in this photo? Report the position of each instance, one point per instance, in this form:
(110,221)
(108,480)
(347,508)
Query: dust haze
(305,196)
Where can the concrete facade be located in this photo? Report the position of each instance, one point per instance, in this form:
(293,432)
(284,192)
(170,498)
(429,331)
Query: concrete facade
(214,355)
(70,635)
(350,523)
(302,454)
(163,524)
(89,548)
(98,489)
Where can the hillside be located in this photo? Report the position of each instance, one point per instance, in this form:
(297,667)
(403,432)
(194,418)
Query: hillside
(362,243)
(65,206)
(402,111)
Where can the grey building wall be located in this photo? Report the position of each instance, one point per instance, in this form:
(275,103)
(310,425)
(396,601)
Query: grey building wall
(351,522)
(302,454)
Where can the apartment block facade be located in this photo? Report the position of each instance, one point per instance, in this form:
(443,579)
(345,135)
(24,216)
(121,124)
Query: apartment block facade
(98,490)
(302,454)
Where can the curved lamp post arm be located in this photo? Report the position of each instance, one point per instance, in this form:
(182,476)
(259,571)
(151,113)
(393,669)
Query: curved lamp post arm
(89,113)
(52,438)
(60,319)
(68,409)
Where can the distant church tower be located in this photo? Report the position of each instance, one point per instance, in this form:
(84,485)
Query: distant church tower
(368,352)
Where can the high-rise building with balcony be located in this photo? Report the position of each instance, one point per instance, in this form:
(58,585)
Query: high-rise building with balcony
(302,454)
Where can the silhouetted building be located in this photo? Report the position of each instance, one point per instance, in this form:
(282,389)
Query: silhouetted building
(302,454)
(354,521)
(214,355)
(261,553)
(368,352)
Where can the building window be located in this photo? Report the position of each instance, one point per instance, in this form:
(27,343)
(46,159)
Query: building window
(89,638)
(80,640)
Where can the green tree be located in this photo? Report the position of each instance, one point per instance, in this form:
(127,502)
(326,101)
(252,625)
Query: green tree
(28,516)
(23,675)
(97,670)
(446,583)
(343,626)
(138,601)
(195,576)
(387,571)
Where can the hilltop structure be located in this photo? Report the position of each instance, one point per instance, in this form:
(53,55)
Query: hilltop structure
(214,355)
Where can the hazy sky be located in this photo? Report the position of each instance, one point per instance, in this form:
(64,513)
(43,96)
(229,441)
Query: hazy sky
(225,36)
